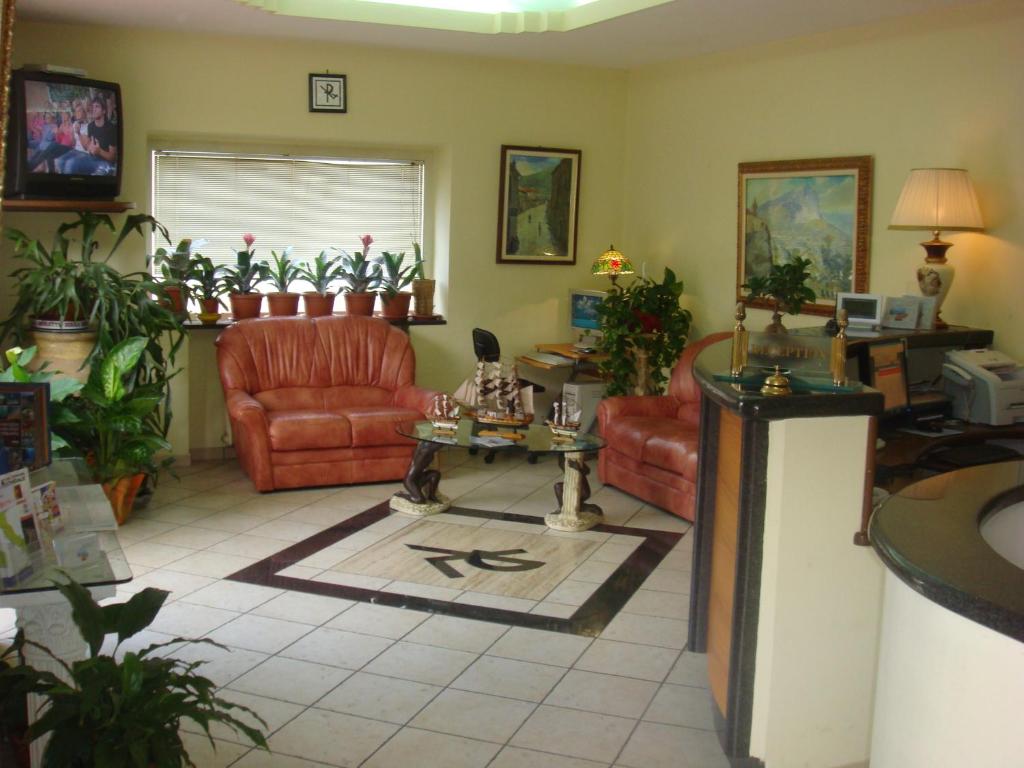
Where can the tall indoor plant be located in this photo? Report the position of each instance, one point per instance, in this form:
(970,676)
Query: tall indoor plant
(282,272)
(241,280)
(125,709)
(786,285)
(394,277)
(110,424)
(321,274)
(643,332)
(361,276)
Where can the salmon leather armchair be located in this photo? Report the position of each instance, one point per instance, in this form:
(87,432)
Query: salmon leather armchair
(652,440)
(316,401)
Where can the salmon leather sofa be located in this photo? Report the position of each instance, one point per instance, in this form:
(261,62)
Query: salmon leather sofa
(316,401)
(652,440)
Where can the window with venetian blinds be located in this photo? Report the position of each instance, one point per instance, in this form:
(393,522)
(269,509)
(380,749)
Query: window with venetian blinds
(309,203)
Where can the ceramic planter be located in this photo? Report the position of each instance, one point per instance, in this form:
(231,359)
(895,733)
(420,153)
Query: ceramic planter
(175,299)
(246,305)
(283,304)
(360,303)
(65,351)
(121,494)
(395,307)
(318,305)
(211,311)
(423,298)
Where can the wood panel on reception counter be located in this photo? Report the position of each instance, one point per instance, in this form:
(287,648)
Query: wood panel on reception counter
(783,603)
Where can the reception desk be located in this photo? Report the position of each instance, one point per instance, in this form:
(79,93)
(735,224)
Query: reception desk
(950,688)
(785,605)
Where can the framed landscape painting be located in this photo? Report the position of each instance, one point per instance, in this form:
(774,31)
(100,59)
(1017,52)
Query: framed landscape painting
(538,205)
(815,209)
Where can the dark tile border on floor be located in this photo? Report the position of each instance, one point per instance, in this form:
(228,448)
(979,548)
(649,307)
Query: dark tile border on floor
(588,620)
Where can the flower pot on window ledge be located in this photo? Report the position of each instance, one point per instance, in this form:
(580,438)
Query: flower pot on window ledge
(211,311)
(360,303)
(283,304)
(319,305)
(395,306)
(423,297)
(245,305)
(175,298)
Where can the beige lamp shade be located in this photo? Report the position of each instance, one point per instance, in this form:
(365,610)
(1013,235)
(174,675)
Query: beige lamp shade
(937,199)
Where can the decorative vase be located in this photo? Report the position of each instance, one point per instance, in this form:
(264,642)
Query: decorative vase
(318,305)
(283,304)
(65,351)
(423,297)
(245,306)
(121,494)
(395,307)
(360,303)
(175,298)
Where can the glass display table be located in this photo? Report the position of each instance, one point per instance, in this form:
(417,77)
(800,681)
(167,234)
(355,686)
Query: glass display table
(421,497)
(93,559)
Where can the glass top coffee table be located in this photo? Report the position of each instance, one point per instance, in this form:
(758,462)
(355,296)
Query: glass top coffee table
(421,496)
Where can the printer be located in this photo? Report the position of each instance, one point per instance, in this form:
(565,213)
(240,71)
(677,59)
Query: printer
(986,386)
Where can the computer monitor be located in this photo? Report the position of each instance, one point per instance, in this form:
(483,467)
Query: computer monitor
(862,309)
(584,320)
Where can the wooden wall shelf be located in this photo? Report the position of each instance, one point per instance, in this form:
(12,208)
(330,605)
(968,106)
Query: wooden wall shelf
(51,206)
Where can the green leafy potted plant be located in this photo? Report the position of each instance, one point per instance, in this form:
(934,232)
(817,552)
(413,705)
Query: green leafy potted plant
(361,276)
(110,423)
(324,271)
(241,280)
(59,290)
(395,277)
(207,285)
(786,286)
(643,332)
(116,712)
(174,267)
(283,272)
(422,287)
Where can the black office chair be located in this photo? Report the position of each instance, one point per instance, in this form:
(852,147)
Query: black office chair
(488,350)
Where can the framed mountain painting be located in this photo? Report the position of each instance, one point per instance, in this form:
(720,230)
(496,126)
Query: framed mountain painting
(538,205)
(814,209)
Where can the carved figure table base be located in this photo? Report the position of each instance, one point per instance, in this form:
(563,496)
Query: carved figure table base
(574,514)
(420,497)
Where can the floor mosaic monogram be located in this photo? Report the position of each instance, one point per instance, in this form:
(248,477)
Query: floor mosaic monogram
(491,566)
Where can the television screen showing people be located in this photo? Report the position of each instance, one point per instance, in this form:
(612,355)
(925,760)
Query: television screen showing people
(72,129)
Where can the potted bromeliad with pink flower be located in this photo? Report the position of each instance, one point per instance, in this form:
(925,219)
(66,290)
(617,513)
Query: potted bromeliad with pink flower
(241,280)
(361,277)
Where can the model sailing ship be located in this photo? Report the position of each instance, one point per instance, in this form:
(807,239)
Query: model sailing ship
(444,414)
(494,396)
(563,424)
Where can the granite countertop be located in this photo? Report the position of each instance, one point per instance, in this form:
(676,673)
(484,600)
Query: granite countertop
(928,535)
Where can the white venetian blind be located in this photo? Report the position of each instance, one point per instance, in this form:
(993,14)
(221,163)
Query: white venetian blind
(309,203)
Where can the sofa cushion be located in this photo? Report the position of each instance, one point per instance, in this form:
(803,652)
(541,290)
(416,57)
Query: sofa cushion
(664,443)
(376,425)
(292,399)
(339,398)
(305,430)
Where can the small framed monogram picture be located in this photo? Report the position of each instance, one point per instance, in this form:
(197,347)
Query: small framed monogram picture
(328,93)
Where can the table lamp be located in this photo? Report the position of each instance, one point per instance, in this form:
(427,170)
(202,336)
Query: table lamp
(937,199)
(612,263)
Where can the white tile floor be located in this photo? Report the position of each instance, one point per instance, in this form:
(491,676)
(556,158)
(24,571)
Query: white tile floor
(342,683)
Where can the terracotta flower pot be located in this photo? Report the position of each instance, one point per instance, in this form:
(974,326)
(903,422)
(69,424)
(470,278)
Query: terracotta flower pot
(210,311)
(423,297)
(175,298)
(121,494)
(283,304)
(360,303)
(246,305)
(396,306)
(317,305)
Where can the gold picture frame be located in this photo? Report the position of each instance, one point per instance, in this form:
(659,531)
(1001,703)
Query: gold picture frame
(6,48)
(819,209)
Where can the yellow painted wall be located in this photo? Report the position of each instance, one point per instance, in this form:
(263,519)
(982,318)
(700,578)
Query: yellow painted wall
(936,91)
(455,111)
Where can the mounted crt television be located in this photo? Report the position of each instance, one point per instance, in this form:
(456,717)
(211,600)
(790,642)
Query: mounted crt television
(64,137)
(584,321)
